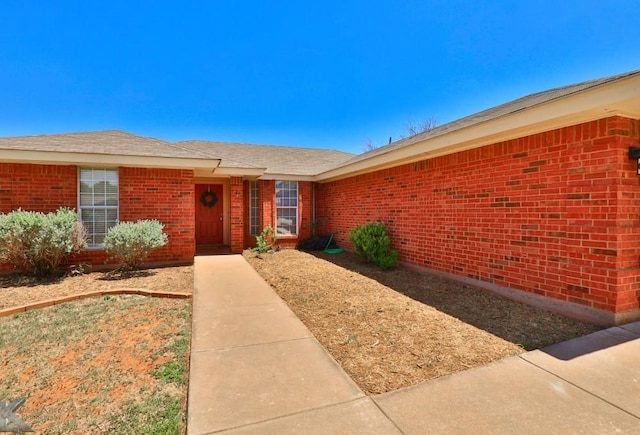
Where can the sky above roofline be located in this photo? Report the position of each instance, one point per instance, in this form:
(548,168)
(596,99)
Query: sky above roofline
(322,74)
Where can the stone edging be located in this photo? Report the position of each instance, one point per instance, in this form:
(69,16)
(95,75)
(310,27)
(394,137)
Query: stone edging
(62,299)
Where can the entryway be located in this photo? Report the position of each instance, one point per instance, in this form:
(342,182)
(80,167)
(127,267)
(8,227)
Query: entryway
(209,215)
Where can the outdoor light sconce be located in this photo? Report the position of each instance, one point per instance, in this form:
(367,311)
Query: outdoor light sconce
(634,153)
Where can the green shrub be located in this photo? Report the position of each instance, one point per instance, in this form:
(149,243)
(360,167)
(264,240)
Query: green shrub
(38,243)
(371,242)
(130,243)
(265,240)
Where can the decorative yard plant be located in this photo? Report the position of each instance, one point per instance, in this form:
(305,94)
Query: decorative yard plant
(265,240)
(130,243)
(38,243)
(372,242)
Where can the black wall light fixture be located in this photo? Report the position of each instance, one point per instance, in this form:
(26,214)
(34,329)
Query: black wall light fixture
(634,154)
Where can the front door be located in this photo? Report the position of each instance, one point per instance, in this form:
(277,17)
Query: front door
(208,214)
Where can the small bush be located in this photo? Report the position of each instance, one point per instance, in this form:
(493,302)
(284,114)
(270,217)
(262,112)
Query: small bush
(316,243)
(371,242)
(38,243)
(265,240)
(130,243)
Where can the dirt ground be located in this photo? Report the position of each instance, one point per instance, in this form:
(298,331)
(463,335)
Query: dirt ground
(111,364)
(16,290)
(396,328)
(108,364)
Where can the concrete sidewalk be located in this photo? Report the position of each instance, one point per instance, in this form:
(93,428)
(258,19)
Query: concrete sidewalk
(255,368)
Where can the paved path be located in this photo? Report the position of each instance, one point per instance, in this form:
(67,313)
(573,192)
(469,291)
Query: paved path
(255,368)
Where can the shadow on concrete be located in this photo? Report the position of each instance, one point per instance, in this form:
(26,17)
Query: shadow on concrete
(213,250)
(593,343)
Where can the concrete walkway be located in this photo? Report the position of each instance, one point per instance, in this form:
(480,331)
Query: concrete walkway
(255,368)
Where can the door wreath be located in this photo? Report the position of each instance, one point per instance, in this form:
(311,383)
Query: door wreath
(208,199)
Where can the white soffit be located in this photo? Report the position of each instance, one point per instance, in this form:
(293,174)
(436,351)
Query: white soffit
(280,177)
(237,172)
(78,159)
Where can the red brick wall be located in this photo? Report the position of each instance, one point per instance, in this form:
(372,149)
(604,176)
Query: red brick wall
(556,214)
(168,196)
(305,211)
(43,188)
(238,211)
(267,201)
(267,208)
(162,194)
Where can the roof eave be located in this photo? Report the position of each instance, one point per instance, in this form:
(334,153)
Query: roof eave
(80,159)
(227,172)
(621,97)
(288,177)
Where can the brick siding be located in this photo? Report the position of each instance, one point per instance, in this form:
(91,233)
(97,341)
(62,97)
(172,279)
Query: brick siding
(163,194)
(42,188)
(267,211)
(167,195)
(556,213)
(249,240)
(237,214)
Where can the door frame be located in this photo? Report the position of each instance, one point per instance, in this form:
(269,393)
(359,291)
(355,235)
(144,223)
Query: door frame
(226,209)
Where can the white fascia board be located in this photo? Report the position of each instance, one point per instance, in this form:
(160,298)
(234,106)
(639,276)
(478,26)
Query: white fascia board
(238,172)
(79,159)
(619,98)
(287,177)
(254,173)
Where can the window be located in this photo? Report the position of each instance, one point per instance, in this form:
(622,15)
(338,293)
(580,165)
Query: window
(287,208)
(253,208)
(98,202)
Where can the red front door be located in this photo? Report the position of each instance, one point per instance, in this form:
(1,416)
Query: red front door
(208,214)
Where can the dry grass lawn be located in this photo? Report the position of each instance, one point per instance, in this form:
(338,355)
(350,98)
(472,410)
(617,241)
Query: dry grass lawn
(112,364)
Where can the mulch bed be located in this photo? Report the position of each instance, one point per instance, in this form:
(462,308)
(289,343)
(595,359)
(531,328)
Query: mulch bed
(396,328)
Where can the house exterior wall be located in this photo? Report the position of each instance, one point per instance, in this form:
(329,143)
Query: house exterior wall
(236,188)
(267,203)
(167,195)
(267,212)
(305,212)
(163,194)
(42,188)
(555,214)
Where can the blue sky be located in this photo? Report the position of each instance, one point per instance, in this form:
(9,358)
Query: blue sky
(334,74)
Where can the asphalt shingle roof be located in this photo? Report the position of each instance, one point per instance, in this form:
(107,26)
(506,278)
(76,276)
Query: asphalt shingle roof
(110,142)
(276,159)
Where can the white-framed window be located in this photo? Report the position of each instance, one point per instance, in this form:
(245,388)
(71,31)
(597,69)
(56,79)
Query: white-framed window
(97,202)
(287,208)
(254,229)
